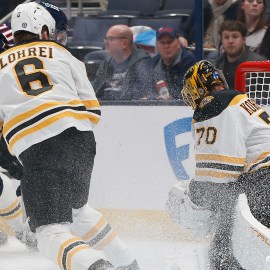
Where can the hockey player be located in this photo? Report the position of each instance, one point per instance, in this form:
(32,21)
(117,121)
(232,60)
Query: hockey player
(232,152)
(48,111)
(10,206)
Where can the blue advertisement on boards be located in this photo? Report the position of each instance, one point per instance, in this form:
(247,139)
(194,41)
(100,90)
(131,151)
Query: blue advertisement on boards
(177,154)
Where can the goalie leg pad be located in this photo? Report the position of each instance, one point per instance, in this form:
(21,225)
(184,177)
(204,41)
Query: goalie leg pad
(184,212)
(250,238)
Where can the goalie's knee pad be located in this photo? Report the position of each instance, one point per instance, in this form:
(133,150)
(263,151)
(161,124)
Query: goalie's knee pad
(184,212)
(250,238)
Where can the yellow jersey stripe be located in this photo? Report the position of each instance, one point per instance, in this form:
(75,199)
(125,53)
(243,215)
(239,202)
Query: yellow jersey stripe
(51,120)
(216,174)
(208,157)
(39,109)
(237,99)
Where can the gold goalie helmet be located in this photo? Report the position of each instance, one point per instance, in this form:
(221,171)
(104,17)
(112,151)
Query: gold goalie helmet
(198,82)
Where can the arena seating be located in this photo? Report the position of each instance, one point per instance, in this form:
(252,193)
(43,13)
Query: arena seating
(131,8)
(86,33)
(90,31)
(156,23)
(174,8)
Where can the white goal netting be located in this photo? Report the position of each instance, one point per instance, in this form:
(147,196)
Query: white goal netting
(254,79)
(258,87)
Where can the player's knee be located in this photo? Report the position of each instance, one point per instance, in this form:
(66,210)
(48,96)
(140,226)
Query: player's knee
(86,213)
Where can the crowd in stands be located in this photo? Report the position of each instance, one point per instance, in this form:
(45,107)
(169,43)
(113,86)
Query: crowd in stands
(235,49)
(135,59)
(235,30)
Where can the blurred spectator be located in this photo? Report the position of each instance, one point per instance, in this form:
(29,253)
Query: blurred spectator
(233,37)
(264,46)
(252,13)
(214,13)
(144,37)
(168,67)
(6,37)
(118,76)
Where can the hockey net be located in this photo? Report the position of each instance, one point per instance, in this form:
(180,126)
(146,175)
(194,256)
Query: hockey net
(253,78)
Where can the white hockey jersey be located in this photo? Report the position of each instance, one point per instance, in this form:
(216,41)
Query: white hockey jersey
(232,136)
(44,90)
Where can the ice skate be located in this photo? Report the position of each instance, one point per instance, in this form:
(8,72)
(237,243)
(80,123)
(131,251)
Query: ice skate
(105,265)
(132,266)
(101,265)
(28,239)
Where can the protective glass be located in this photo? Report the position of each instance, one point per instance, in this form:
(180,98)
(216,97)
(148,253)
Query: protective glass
(61,37)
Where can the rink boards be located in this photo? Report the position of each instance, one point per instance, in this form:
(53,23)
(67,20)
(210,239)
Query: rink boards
(141,152)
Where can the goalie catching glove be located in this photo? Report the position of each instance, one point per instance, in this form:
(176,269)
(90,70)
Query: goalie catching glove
(184,212)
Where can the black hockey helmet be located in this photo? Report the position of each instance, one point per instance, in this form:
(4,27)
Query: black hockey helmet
(199,81)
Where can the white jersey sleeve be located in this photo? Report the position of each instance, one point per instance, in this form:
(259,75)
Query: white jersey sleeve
(46,90)
(232,141)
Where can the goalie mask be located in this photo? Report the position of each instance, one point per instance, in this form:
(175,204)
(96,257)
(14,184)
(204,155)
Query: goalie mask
(31,17)
(199,81)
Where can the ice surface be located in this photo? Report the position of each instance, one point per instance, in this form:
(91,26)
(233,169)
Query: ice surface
(151,255)
(152,237)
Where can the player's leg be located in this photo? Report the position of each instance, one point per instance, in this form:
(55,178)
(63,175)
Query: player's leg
(97,233)
(10,205)
(89,224)
(46,188)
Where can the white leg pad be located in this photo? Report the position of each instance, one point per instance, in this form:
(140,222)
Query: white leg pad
(250,239)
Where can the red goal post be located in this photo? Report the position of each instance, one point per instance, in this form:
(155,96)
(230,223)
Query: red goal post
(253,78)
